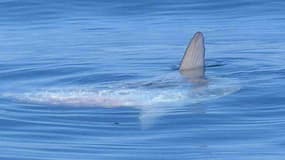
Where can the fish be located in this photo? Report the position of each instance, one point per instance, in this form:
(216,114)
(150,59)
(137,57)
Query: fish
(153,97)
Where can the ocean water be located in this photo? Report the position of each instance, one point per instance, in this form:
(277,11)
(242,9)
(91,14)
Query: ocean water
(98,80)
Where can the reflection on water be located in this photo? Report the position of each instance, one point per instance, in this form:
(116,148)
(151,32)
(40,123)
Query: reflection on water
(58,57)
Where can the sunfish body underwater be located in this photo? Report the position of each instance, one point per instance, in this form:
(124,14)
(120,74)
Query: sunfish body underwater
(154,97)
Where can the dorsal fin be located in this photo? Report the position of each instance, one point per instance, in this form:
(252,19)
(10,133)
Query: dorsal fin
(194,56)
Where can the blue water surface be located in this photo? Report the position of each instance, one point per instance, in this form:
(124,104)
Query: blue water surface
(98,79)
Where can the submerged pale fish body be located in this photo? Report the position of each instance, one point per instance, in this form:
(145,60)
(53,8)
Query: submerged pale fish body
(152,100)
(151,96)
(141,96)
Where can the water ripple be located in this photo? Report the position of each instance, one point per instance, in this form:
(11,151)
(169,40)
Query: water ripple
(57,50)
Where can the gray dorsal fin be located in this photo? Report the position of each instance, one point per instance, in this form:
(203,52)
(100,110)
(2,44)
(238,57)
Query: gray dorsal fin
(194,56)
